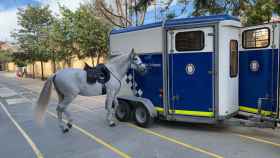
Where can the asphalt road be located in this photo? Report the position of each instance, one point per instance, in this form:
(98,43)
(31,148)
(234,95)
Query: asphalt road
(21,137)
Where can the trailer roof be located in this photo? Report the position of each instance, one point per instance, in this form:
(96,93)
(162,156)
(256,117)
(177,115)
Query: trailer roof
(177,22)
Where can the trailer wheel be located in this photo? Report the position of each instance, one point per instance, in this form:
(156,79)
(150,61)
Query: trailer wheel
(123,111)
(142,116)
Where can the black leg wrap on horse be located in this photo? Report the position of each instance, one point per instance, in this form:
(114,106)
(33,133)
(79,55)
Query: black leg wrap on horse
(104,91)
(66,130)
(60,109)
(112,124)
(69,125)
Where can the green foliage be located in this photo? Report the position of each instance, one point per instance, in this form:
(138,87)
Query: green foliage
(44,37)
(91,33)
(20,58)
(32,36)
(252,11)
(5,56)
(260,12)
(63,36)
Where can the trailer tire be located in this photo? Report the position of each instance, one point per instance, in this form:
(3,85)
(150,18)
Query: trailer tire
(142,116)
(123,111)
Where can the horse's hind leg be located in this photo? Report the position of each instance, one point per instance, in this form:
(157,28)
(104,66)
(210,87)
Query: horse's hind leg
(61,108)
(69,118)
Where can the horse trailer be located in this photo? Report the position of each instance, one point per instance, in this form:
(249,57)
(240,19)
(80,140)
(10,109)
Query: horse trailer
(201,69)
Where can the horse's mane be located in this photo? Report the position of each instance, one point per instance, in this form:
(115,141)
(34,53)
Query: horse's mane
(116,57)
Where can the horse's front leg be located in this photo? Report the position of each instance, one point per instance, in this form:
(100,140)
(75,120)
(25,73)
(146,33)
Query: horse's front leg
(110,110)
(61,108)
(59,111)
(69,118)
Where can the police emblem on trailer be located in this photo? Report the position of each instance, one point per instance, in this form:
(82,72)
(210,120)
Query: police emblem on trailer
(190,69)
(254,66)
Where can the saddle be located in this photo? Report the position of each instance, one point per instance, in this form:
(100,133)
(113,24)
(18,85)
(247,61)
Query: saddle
(99,74)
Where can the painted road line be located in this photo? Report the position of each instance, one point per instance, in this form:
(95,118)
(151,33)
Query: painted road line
(24,134)
(86,133)
(96,139)
(188,146)
(173,140)
(16,101)
(6,92)
(258,140)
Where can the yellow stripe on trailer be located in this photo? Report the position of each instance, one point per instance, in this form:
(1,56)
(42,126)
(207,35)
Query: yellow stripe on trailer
(254,110)
(187,112)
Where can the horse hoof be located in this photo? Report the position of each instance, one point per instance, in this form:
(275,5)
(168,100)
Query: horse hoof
(112,124)
(66,130)
(69,125)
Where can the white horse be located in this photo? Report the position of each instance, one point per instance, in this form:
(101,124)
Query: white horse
(70,82)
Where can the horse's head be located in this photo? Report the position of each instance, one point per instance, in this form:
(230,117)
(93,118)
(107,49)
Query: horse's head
(136,63)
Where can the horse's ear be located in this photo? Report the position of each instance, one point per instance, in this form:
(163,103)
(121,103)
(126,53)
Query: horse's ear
(132,53)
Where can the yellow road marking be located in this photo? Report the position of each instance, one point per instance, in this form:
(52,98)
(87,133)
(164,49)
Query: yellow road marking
(173,140)
(24,134)
(141,129)
(98,140)
(258,140)
(170,139)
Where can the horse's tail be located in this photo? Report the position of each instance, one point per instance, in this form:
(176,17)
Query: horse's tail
(43,101)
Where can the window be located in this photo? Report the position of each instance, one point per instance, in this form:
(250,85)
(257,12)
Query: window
(189,41)
(233,46)
(256,38)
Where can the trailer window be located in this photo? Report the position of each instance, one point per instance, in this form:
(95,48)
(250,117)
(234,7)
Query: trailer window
(189,41)
(233,46)
(256,38)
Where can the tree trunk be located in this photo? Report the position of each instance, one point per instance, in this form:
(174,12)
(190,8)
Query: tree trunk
(33,70)
(92,60)
(54,63)
(68,61)
(42,71)
(54,66)
(98,58)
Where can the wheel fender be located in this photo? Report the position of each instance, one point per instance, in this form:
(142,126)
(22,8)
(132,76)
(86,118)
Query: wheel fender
(144,101)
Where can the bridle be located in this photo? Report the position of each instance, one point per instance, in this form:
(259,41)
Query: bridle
(138,65)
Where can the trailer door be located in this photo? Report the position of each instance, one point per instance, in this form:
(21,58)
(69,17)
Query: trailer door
(259,67)
(191,56)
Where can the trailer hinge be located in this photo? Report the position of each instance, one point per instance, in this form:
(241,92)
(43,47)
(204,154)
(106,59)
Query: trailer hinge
(211,34)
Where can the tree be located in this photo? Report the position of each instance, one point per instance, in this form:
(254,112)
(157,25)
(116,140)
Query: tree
(34,21)
(5,56)
(20,58)
(259,12)
(213,7)
(123,13)
(251,12)
(91,34)
(66,35)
